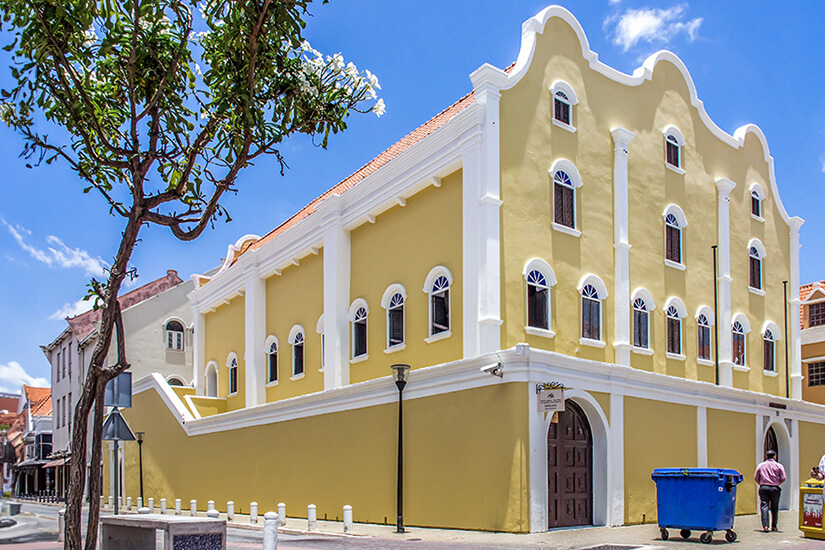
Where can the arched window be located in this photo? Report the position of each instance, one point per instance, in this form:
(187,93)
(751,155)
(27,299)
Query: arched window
(211,376)
(757,196)
(738,340)
(359,332)
(564,199)
(591,313)
(271,359)
(703,331)
(674,330)
(437,285)
(673,239)
(769,351)
(175,381)
(538,300)
(674,145)
(564,98)
(641,324)
(755,279)
(395,320)
(232,365)
(296,338)
(174,335)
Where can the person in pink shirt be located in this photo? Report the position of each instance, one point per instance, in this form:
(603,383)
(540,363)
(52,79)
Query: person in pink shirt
(769,476)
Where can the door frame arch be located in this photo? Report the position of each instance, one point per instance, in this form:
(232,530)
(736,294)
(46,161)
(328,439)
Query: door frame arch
(786,458)
(599,428)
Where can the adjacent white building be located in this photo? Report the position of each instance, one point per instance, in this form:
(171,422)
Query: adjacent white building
(157,319)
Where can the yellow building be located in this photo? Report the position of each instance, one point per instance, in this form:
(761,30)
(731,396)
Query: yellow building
(555,225)
(812,322)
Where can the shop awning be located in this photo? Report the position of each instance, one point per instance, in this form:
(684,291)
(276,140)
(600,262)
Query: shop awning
(53,463)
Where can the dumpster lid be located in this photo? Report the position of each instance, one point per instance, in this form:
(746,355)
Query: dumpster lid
(696,472)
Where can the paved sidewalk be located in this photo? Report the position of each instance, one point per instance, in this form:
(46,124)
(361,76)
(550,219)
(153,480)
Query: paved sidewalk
(329,534)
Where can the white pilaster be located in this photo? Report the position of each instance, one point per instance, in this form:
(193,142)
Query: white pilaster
(724,186)
(701,437)
(621,246)
(198,347)
(336,293)
(794,475)
(255,336)
(481,225)
(794,328)
(615,470)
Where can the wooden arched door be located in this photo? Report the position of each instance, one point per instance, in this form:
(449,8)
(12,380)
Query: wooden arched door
(570,469)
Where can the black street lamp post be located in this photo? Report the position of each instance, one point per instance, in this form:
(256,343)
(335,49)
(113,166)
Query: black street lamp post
(140,460)
(400,381)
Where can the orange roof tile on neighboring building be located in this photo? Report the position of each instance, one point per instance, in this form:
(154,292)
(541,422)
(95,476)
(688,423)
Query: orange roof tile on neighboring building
(83,325)
(40,399)
(804,292)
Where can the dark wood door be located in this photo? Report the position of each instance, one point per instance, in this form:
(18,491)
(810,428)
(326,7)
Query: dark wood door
(570,469)
(770,443)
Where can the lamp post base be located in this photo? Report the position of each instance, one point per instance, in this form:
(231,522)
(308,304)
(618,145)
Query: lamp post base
(400,525)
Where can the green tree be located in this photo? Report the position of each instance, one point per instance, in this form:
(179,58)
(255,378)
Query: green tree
(160,140)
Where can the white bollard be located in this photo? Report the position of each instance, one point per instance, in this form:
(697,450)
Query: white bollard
(163,506)
(140,502)
(281,514)
(102,502)
(347,519)
(271,531)
(253,512)
(150,503)
(144,511)
(61,524)
(177,506)
(193,507)
(230,511)
(129,504)
(210,510)
(312,519)
(111,501)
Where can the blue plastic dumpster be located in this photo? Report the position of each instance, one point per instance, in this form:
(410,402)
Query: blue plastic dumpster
(696,499)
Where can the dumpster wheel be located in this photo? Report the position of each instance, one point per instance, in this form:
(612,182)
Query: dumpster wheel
(685,533)
(730,535)
(664,533)
(706,537)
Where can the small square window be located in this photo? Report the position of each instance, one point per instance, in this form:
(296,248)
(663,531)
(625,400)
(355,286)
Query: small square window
(816,374)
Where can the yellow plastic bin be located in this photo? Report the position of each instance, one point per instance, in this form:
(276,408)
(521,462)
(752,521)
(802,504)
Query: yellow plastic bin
(810,509)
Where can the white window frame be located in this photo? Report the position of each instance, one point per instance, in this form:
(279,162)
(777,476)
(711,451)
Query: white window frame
(601,296)
(645,296)
(679,141)
(294,332)
(178,337)
(746,328)
(537,264)
(432,277)
(386,303)
(757,246)
(571,101)
(564,165)
(676,304)
(354,308)
(708,313)
(676,211)
(757,192)
(232,357)
(270,341)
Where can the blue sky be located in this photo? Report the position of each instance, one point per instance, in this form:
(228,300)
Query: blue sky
(753,61)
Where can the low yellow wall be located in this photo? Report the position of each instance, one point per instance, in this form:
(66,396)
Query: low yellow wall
(466,461)
(811,447)
(732,444)
(656,435)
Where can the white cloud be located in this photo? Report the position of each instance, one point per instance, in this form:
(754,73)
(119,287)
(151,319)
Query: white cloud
(13,376)
(58,254)
(823,164)
(70,310)
(612,2)
(652,25)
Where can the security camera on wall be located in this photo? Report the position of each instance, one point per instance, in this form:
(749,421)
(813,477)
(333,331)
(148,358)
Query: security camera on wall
(496,369)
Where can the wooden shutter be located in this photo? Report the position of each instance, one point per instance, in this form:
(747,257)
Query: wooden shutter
(674,343)
(441,316)
(537,307)
(768,358)
(755,273)
(396,326)
(298,365)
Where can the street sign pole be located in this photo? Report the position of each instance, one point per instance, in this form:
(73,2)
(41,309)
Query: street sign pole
(116,466)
